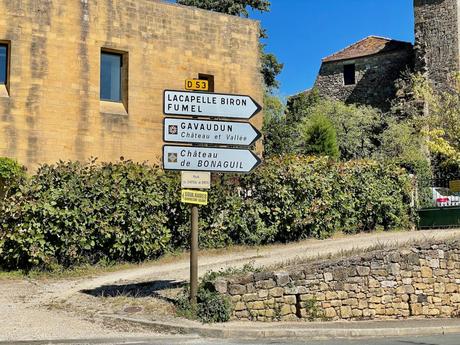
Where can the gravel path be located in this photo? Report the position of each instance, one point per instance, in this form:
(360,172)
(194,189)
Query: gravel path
(24,317)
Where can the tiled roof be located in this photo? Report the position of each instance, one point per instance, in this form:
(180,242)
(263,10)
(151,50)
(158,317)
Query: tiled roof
(369,46)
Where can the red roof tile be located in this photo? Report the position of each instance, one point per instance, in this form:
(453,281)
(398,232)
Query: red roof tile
(368,46)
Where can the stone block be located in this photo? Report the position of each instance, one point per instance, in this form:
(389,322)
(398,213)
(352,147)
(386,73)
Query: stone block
(286,310)
(250,297)
(416,309)
(388,283)
(250,288)
(236,289)
(221,286)
(342,294)
(290,317)
(331,295)
(357,313)
(240,306)
(276,292)
(262,294)
(363,271)
(450,288)
(455,298)
(242,314)
(258,276)
(426,272)
(282,278)
(328,276)
(265,284)
(346,312)
(290,299)
(330,313)
(258,305)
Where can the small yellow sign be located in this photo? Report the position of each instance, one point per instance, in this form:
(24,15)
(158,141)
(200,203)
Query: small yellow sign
(454,186)
(196,85)
(194,197)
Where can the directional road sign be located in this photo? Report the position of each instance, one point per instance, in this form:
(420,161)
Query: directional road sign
(209,132)
(209,104)
(209,159)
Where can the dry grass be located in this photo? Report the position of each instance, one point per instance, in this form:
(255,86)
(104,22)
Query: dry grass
(308,259)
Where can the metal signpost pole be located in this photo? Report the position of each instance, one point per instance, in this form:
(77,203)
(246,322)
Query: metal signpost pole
(194,256)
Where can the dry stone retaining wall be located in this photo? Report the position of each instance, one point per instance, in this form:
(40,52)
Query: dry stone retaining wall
(418,282)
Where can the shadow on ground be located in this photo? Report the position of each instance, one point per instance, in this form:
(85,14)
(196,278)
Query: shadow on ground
(137,290)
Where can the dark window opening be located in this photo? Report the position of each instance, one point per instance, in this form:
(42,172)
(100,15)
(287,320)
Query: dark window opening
(111,71)
(209,78)
(349,74)
(3,64)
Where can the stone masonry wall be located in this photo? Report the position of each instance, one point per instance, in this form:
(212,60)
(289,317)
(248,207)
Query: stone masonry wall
(375,78)
(53,110)
(422,281)
(437,39)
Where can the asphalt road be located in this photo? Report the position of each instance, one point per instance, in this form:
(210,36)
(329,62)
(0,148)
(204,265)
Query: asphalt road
(451,339)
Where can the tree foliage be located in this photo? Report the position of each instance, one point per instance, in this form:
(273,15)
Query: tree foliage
(441,123)
(232,7)
(318,137)
(270,66)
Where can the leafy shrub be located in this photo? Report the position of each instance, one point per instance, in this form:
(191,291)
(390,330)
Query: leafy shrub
(211,306)
(11,174)
(73,213)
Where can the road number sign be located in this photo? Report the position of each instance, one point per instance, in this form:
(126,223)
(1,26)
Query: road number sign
(196,85)
(194,197)
(208,159)
(196,179)
(209,105)
(209,132)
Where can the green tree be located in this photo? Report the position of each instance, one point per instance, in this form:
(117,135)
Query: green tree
(318,137)
(298,106)
(270,67)
(441,123)
(232,7)
(357,127)
(278,134)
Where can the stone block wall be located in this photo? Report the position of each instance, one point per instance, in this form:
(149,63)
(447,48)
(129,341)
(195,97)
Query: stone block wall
(375,78)
(422,281)
(53,109)
(437,39)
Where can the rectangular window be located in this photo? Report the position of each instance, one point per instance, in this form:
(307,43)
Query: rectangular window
(209,78)
(349,74)
(3,64)
(111,76)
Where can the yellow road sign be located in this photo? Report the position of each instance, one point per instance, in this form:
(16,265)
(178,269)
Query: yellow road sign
(196,85)
(454,186)
(194,197)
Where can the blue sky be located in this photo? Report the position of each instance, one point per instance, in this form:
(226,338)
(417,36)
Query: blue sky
(301,32)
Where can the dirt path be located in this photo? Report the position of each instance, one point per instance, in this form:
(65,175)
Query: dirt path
(23,317)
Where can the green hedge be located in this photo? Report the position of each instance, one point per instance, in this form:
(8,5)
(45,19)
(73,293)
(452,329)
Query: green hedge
(72,213)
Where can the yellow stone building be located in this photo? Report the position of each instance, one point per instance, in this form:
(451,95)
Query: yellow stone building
(85,78)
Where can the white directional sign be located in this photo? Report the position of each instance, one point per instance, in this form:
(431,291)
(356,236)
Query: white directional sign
(209,132)
(209,104)
(209,159)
